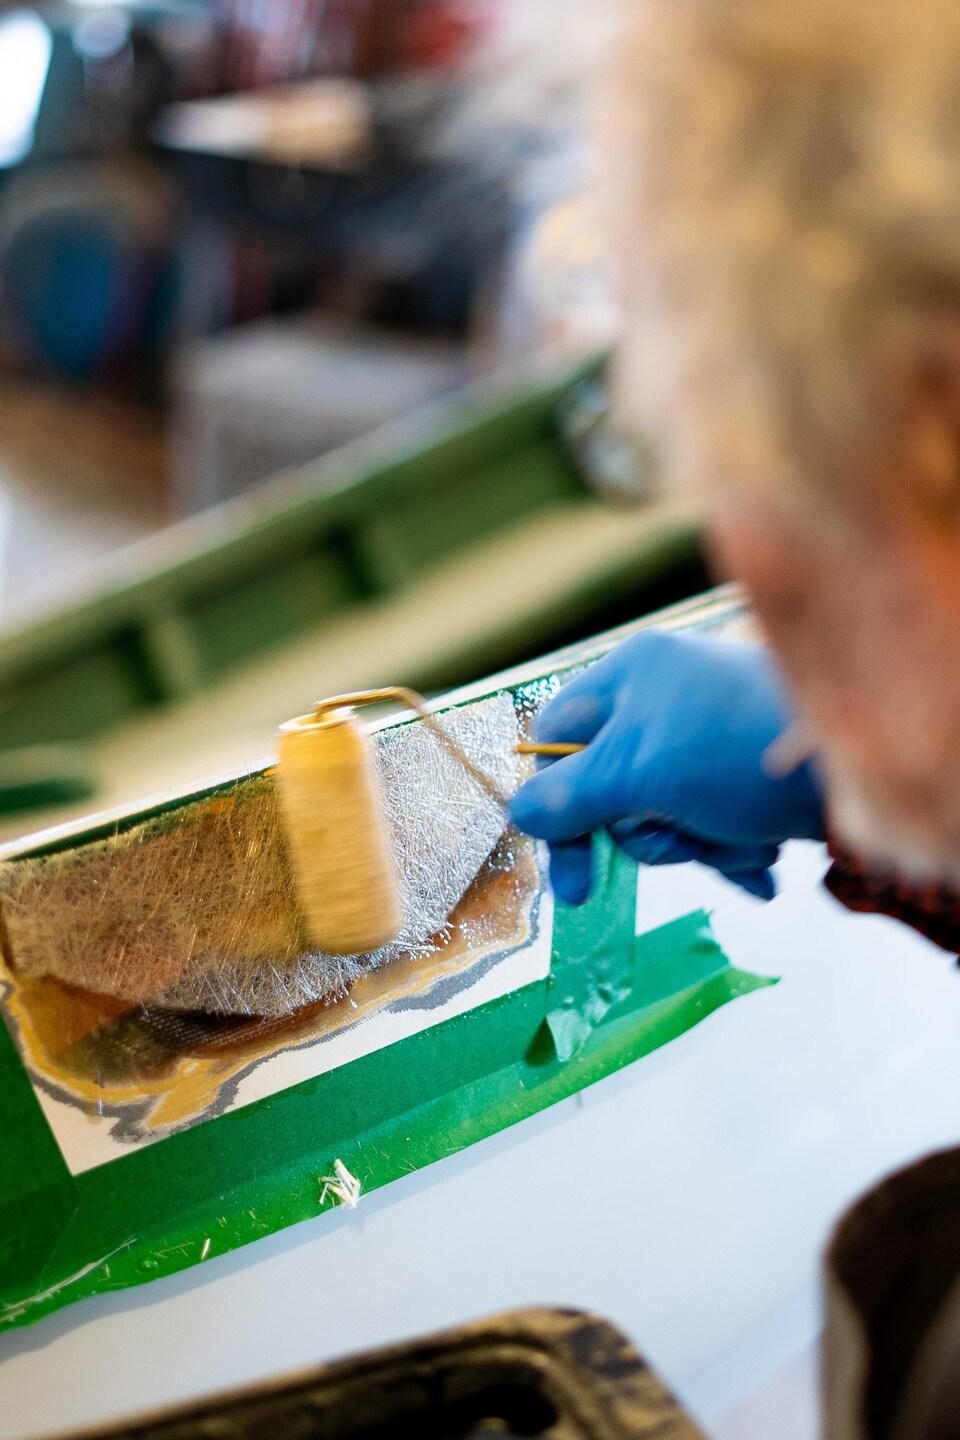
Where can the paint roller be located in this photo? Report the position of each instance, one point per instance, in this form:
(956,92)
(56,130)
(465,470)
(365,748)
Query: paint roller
(332,809)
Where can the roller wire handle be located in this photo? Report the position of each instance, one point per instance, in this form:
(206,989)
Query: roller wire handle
(548,747)
(415,702)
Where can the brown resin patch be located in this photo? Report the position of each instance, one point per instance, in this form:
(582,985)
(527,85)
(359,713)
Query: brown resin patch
(105,1055)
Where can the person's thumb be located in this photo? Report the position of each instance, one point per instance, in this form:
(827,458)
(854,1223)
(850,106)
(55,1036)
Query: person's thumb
(573,796)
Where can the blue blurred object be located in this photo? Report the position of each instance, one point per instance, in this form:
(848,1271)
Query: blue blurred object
(65,276)
(87,254)
(87,269)
(676,728)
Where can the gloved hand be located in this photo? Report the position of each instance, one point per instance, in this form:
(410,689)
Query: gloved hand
(677,726)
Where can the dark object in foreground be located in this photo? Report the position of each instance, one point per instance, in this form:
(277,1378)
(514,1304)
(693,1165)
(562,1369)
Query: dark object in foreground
(892,1339)
(548,1373)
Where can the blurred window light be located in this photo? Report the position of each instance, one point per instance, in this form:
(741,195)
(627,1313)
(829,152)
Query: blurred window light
(25,47)
(101,33)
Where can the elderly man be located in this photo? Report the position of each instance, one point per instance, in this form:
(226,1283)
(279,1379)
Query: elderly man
(786,180)
(786,208)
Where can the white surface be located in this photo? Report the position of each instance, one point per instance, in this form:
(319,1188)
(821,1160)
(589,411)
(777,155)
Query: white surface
(686,1198)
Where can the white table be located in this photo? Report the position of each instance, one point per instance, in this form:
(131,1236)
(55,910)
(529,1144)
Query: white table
(686,1198)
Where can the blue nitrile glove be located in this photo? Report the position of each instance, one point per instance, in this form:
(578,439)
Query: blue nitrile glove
(677,726)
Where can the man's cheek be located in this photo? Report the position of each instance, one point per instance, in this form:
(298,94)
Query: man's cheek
(808,592)
(787,580)
(868,631)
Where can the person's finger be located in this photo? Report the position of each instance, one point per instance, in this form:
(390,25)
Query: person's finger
(571,869)
(656,842)
(573,796)
(653,842)
(747,867)
(580,709)
(756,882)
(735,860)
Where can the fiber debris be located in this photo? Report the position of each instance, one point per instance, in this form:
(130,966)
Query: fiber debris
(197,911)
(342,1185)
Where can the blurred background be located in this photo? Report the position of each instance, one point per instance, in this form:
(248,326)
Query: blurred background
(304,323)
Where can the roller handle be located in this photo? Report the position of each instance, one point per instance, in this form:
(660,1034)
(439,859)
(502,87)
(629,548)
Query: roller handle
(547,747)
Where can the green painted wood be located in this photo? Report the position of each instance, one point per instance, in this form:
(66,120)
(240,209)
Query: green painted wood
(170,656)
(255,613)
(37,775)
(77,696)
(667,569)
(226,586)
(418,528)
